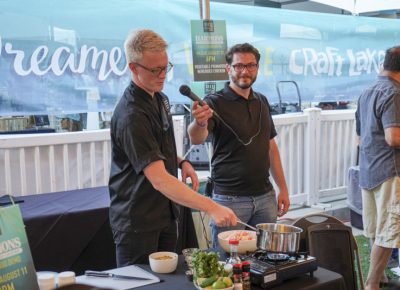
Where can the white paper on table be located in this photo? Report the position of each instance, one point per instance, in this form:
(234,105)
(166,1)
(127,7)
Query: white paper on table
(120,284)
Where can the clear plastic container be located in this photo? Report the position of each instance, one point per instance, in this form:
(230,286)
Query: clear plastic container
(66,278)
(46,281)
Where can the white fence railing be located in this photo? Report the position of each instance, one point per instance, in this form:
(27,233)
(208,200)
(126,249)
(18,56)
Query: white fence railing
(317,148)
(40,163)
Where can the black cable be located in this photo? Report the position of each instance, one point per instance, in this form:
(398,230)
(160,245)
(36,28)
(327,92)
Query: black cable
(208,242)
(233,131)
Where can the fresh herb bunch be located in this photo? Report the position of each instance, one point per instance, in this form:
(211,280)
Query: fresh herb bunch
(206,264)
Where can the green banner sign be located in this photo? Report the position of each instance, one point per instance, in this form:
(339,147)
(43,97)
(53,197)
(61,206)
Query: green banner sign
(16,266)
(208,49)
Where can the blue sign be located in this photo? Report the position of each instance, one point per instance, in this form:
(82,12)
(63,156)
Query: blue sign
(65,57)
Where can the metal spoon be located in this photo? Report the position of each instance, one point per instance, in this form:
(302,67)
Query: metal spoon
(247,225)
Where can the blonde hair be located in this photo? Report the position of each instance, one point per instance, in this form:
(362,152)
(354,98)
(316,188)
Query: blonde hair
(142,40)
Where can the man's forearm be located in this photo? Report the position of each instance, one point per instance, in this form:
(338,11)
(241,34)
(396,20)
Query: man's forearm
(198,134)
(276,167)
(175,190)
(278,175)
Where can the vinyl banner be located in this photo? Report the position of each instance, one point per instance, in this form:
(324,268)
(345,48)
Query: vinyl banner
(16,266)
(60,56)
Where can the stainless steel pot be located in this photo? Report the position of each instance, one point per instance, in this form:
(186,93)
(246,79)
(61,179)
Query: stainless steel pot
(278,238)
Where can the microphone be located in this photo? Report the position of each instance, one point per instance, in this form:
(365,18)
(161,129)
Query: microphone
(186,91)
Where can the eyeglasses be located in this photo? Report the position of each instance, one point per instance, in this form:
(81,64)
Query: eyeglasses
(157,70)
(239,67)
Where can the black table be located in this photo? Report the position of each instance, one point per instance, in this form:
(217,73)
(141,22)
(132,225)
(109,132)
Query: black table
(70,230)
(323,280)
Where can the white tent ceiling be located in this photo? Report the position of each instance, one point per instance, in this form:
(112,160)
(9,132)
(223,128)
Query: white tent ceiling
(362,6)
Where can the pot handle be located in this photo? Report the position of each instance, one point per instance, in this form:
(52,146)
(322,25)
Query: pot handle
(249,226)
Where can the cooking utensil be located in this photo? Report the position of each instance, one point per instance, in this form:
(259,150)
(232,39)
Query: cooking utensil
(247,225)
(279,238)
(90,273)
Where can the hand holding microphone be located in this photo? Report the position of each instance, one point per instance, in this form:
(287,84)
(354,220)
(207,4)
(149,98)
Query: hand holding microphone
(201,112)
(186,91)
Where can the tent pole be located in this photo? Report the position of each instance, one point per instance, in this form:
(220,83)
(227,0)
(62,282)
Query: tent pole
(204,7)
(207,9)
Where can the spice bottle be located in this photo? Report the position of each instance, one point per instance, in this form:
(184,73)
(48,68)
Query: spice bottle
(246,281)
(234,256)
(237,277)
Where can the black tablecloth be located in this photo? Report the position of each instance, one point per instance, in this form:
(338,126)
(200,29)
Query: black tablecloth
(323,280)
(70,230)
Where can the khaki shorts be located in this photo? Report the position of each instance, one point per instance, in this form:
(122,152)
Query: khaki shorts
(381,213)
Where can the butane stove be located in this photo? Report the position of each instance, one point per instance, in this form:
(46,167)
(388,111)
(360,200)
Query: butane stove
(268,269)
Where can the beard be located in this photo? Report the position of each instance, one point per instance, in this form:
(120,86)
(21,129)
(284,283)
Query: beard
(244,82)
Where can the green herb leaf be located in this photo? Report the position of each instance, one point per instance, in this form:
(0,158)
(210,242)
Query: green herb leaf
(206,264)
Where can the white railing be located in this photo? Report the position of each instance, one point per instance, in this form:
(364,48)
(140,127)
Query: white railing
(317,148)
(39,163)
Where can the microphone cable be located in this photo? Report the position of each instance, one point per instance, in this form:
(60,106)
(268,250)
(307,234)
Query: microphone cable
(186,91)
(236,135)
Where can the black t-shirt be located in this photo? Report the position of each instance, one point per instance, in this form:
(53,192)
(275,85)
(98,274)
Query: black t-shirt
(141,132)
(238,169)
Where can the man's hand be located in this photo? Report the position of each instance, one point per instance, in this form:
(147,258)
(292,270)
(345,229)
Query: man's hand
(201,114)
(223,216)
(283,202)
(188,171)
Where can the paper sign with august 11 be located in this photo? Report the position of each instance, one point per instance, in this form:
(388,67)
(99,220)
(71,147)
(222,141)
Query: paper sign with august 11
(16,266)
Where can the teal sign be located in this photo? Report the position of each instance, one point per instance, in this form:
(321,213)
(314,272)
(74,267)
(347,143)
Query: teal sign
(16,266)
(208,50)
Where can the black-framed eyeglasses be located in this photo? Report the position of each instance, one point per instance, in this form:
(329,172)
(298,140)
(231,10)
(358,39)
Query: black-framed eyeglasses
(239,67)
(157,70)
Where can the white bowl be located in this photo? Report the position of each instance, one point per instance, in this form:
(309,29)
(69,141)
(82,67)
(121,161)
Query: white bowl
(244,245)
(160,265)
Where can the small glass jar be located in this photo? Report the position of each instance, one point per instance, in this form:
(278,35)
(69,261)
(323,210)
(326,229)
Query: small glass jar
(246,281)
(187,254)
(237,277)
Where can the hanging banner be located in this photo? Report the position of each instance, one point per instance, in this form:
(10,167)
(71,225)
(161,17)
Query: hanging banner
(53,63)
(208,49)
(16,266)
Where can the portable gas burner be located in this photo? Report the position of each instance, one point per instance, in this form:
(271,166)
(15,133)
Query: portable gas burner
(268,269)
